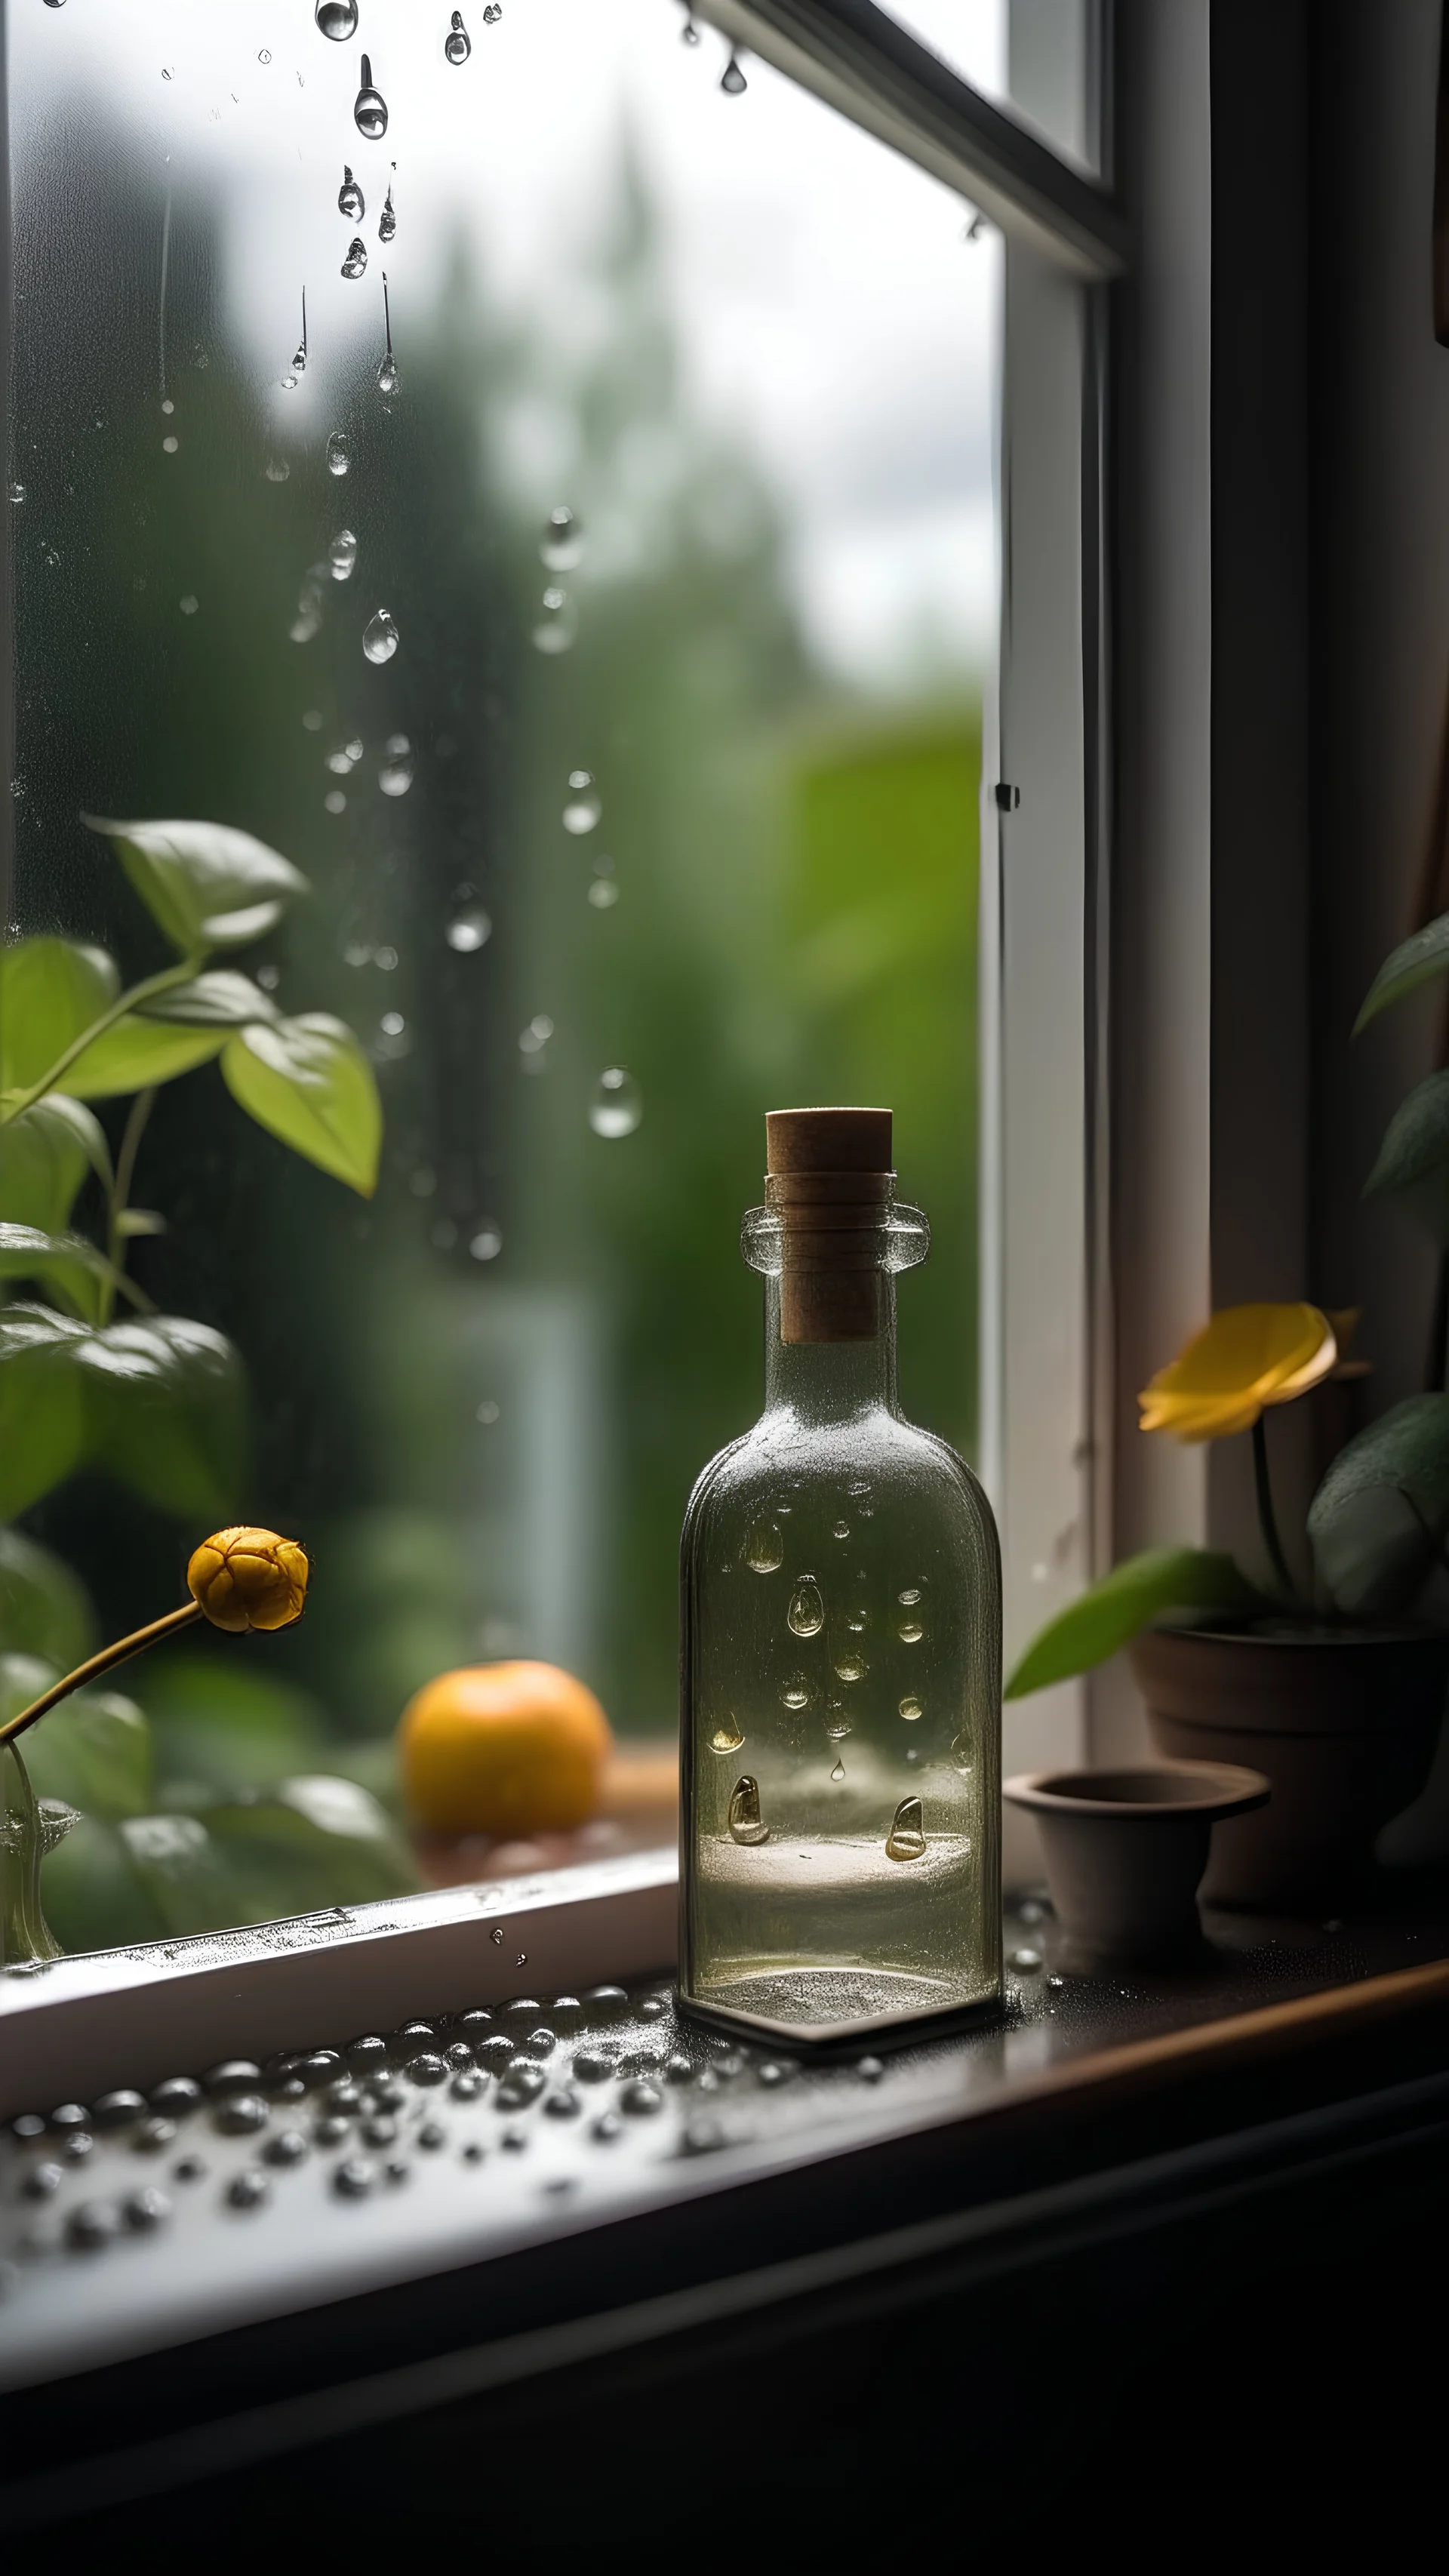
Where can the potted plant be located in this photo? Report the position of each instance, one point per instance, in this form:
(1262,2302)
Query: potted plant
(1333,1687)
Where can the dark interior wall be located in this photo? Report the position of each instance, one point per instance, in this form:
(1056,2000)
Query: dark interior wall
(1380,633)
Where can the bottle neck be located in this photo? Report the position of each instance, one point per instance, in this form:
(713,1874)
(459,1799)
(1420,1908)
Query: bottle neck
(822,1382)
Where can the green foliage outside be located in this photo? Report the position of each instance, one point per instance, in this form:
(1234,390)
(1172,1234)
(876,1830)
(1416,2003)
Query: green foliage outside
(483,1455)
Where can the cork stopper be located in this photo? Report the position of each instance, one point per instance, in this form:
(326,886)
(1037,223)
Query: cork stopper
(830,1182)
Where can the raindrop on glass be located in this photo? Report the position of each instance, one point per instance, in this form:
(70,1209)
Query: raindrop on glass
(603,892)
(388,378)
(906,1839)
(559,624)
(487,1243)
(796,1693)
(961,1753)
(277,469)
(909,1598)
(562,543)
(910,1632)
(851,1666)
(170,445)
(584,807)
(726,1738)
(342,554)
(369,108)
(689,33)
(17,492)
(837,1724)
(337,19)
(764,1548)
(387,221)
(840,1529)
(746,1825)
(398,769)
(496,1937)
(732,79)
(350,199)
(910,1710)
(468,931)
(190,604)
(355,264)
(839,1771)
(339,452)
(379,638)
(533,1041)
(493,13)
(617,1105)
(1026,1962)
(807,1610)
(457,44)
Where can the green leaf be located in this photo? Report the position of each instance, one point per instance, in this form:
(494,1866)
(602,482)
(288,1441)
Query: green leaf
(70,1267)
(1126,1601)
(319,1841)
(1413,1163)
(93,1894)
(1416,962)
(164,1404)
(182,1873)
(1379,1519)
(50,989)
(204,884)
(308,1082)
(230,1724)
(45,1154)
(138,1052)
(223,998)
(42,1413)
(44,1608)
(93,1750)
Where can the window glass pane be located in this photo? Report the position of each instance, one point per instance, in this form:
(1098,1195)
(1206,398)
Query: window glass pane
(613,676)
(1033,57)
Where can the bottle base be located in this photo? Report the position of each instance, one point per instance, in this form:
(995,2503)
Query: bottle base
(820,2007)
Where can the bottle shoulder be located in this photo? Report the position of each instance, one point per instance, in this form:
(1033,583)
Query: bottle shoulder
(898,1461)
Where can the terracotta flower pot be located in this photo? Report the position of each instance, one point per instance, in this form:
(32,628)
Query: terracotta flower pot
(1343,1724)
(1125,1850)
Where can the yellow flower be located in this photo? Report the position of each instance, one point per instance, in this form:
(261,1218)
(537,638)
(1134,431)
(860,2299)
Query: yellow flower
(1247,1358)
(249,1578)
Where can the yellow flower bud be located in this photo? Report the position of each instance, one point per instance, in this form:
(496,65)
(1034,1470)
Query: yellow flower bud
(249,1578)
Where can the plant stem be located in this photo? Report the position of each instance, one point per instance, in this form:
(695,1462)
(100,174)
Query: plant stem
(1267,1518)
(140,1111)
(105,1662)
(147,991)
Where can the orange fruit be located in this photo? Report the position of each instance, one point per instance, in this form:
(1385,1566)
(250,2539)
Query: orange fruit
(503,1749)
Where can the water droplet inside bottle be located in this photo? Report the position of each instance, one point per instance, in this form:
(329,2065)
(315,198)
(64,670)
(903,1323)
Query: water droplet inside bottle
(839,1771)
(342,554)
(906,1839)
(399,770)
(584,806)
(796,1693)
(457,44)
(732,79)
(617,1105)
(910,1709)
(837,1724)
(961,1753)
(469,930)
(379,640)
(369,108)
(850,1665)
(840,1529)
(908,1598)
(910,1632)
(337,19)
(339,452)
(764,1548)
(726,1738)
(387,221)
(559,624)
(562,543)
(350,199)
(807,1611)
(745,1821)
(355,264)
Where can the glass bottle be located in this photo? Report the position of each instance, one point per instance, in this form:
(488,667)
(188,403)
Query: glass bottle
(841,1644)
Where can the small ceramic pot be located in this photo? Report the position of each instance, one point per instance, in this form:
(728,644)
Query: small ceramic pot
(1344,1725)
(1125,1851)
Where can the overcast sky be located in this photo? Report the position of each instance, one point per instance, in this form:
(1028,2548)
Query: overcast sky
(828,304)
